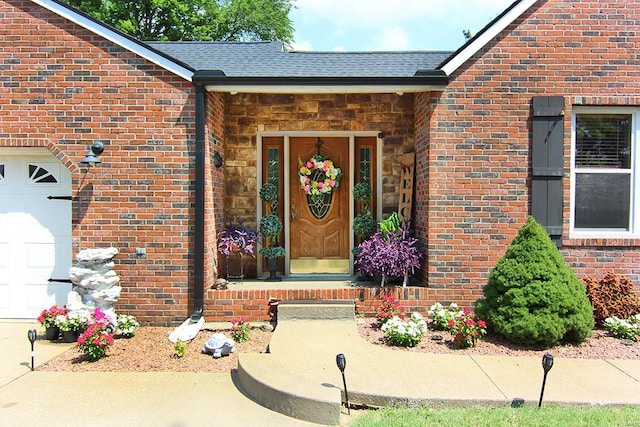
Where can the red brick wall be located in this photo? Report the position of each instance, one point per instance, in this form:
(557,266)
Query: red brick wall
(215,183)
(64,87)
(475,138)
(253,304)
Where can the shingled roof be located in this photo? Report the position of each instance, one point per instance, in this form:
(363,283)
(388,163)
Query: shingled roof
(271,60)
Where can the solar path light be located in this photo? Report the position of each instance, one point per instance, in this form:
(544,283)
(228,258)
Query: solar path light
(341,361)
(32,339)
(547,364)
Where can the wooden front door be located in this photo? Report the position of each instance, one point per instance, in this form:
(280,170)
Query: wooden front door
(319,236)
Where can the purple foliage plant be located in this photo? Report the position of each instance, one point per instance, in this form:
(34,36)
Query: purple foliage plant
(237,238)
(392,254)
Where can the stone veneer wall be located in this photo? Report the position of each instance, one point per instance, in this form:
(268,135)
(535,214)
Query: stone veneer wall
(248,114)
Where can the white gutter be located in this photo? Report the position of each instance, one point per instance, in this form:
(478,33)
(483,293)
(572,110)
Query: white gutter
(115,37)
(508,18)
(297,89)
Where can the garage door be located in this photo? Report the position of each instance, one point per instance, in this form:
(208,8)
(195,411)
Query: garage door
(35,232)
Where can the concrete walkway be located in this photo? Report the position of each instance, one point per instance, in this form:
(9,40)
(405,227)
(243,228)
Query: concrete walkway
(305,349)
(379,375)
(83,399)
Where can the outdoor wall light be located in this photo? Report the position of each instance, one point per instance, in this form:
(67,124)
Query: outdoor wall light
(547,364)
(217,160)
(93,153)
(341,361)
(32,339)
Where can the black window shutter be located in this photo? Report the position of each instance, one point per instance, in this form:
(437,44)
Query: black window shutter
(547,163)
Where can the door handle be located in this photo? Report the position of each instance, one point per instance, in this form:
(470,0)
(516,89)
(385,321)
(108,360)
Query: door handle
(293,211)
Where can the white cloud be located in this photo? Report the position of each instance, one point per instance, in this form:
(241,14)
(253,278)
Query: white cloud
(391,24)
(380,12)
(301,45)
(394,38)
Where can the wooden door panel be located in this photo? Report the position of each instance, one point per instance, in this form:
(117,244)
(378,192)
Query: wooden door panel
(319,241)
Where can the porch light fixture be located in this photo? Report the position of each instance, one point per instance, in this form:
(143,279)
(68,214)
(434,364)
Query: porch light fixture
(547,364)
(93,153)
(217,160)
(341,361)
(32,339)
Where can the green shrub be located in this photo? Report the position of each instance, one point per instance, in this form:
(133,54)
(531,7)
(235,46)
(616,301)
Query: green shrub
(362,192)
(270,225)
(269,192)
(532,297)
(364,225)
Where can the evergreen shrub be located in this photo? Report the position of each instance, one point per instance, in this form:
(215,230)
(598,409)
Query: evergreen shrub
(532,297)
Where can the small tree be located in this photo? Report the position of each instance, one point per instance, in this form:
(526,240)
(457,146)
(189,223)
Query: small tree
(533,297)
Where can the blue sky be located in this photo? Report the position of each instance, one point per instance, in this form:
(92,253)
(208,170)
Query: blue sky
(396,25)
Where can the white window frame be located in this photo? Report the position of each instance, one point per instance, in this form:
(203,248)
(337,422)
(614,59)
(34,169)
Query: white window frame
(634,220)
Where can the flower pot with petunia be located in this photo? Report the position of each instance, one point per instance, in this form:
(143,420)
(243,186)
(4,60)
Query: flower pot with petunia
(47,319)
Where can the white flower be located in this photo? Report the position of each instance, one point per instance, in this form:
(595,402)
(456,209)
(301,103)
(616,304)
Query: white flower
(60,319)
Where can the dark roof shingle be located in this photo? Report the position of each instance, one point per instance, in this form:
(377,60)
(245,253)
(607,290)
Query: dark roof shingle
(270,59)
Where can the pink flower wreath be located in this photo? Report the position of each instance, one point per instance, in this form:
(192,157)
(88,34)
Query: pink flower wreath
(319,176)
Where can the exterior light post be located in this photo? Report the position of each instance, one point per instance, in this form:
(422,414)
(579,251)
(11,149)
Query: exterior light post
(547,364)
(341,361)
(32,339)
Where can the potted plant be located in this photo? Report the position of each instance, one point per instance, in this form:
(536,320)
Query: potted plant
(391,252)
(270,228)
(47,319)
(362,193)
(363,224)
(70,324)
(238,240)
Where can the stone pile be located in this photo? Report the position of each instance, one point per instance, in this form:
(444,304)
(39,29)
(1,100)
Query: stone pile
(95,284)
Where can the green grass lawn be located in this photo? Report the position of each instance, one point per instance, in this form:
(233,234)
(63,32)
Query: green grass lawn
(547,416)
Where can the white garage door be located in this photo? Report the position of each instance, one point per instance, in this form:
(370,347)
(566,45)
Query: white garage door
(35,232)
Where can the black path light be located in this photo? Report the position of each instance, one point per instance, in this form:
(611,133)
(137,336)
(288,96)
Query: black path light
(547,364)
(32,339)
(341,361)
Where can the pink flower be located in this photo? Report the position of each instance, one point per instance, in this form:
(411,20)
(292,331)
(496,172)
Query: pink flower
(309,165)
(466,311)
(306,188)
(482,324)
(320,185)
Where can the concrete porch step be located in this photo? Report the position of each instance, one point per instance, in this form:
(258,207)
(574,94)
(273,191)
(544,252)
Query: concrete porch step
(316,310)
(273,386)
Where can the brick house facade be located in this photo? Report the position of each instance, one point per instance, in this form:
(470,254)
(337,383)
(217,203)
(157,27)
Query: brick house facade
(67,80)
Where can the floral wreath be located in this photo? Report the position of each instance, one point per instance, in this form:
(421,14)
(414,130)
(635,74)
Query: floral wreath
(318,176)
